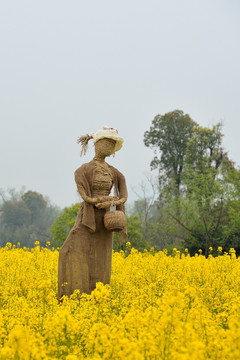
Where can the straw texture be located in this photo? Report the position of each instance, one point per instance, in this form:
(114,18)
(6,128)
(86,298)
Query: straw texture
(115,220)
(86,255)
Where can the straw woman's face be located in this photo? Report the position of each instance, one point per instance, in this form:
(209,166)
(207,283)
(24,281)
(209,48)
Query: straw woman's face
(105,147)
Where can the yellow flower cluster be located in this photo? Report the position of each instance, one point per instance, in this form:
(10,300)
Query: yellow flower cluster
(157,307)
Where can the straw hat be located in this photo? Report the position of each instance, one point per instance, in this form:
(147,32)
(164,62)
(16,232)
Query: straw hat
(109,133)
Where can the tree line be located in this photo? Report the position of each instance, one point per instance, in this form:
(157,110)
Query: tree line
(198,186)
(25,217)
(195,203)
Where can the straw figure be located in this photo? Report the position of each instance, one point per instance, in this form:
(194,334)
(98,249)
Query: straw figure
(86,255)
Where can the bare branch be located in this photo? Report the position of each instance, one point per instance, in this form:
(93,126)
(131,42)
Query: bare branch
(180,223)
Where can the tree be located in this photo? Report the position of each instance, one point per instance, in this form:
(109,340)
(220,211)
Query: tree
(25,217)
(63,224)
(35,203)
(199,184)
(145,206)
(168,137)
(211,190)
(16,213)
(135,233)
(11,194)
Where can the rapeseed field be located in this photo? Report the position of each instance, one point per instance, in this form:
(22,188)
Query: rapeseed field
(157,307)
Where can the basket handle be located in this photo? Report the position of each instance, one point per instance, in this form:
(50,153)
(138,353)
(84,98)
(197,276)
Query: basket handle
(111,208)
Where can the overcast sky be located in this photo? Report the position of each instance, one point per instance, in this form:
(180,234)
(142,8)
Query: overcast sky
(69,67)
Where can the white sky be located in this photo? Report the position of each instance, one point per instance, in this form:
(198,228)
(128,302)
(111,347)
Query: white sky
(69,67)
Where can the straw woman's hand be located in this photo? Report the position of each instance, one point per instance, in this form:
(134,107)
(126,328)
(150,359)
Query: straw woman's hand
(119,201)
(104,205)
(108,204)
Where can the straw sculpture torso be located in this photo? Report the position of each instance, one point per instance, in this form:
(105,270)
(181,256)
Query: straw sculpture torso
(102,179)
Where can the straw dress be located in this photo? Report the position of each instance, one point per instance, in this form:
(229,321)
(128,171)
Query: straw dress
(86,255)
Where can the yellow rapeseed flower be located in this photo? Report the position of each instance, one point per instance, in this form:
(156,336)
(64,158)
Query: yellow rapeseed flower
(156,307)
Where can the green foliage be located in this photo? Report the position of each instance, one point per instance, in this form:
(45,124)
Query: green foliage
(35,203)
(203,163)
(25,218)
(134,235)
(63,224)
(146,209)
(205,185)
(205,212)
(134,227)
(168,137)
(11,194)
(193,166)
(16,213)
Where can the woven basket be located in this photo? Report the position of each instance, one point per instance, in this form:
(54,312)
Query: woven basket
(115,220)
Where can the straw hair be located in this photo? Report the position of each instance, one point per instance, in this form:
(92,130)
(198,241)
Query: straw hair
(83,141)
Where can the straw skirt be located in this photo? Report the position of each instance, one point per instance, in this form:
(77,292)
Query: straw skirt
(85,258)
